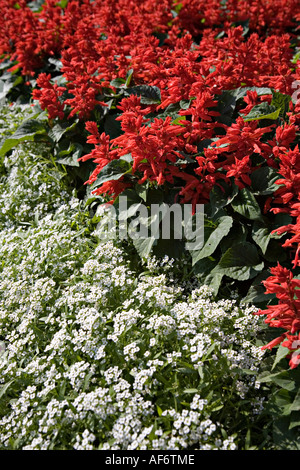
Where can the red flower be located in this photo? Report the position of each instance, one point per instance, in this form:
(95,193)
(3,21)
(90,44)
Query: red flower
(49,96)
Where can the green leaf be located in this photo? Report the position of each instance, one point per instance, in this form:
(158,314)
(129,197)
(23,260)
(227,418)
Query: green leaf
(210,245)
(111,126)
(5,64)
(56,63)
(144,246)
(294,420)
(36,5)
(4,388)
(246,205)
(295,406)
(65,158)
(149,94)
(263,181)
(172,248)
(221,197)
(240,262)
(281,353)
(28,130)
(280,220)
(281,102)
(213,280)
(60,129)
(275,252)
(261,235)
(131,195)
(279,378)
(127,158)
(257,291)
(262,111)
(238,233)
(7,85)
(227,101)
(114,170)
(118,83)
(185,104)
(128,78)
(142,191)
(285,438)
(203,267)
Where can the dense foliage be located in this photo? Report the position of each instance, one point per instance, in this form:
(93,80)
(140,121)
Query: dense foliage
(94,355)
(192,102)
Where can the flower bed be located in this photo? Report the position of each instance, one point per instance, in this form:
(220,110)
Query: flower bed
(192,103)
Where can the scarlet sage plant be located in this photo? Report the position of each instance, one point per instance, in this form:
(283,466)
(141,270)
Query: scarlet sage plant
(194,102)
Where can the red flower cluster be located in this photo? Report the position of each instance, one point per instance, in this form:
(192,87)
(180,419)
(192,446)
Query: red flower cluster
(192,51)
(49,98)
(286,314)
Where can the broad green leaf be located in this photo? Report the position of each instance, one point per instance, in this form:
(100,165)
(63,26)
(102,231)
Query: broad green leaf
(5,64)
(274,252)
(282,219)
(221,197)
(210,245)
(228,99)
(281,101)
(144,246)
(246,205)
(118,83)
(257,291)
(240,262)
(7,82)
(114,170)
(131,210)
(213,280)
(172,248)
(60,129)
(238,233)
(111,126)
(131,196)
(65,158)
(262,111)
(36,5)
(263,180)
(294,419)
(56,63)
(127,158)
(26,132)
(261,235)
(149,94)
(185,104)
(285,438)
(203,267)
(279,378)
(142,191)
(281,353)
(295,406)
